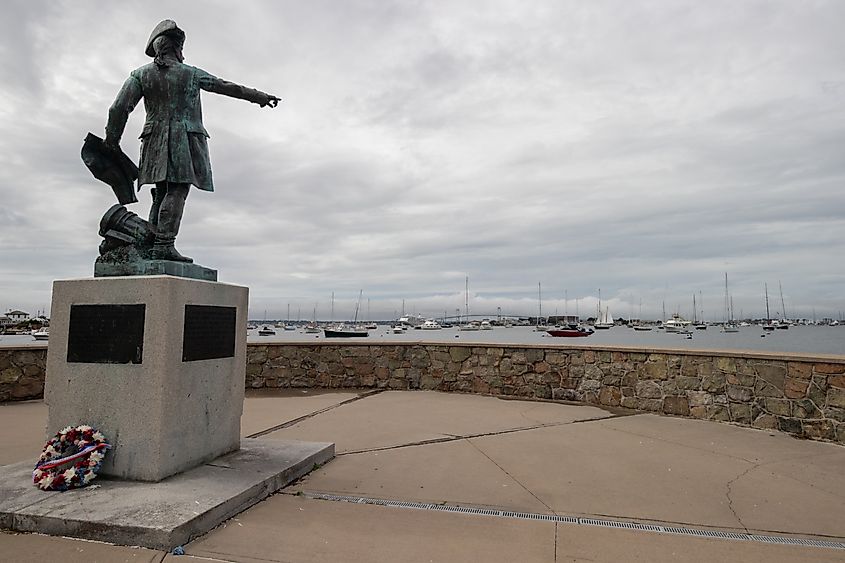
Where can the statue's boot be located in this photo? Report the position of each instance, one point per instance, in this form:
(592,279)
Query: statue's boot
(169,219)
(165,250)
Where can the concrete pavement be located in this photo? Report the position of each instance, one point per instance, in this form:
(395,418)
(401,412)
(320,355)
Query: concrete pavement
(537,458)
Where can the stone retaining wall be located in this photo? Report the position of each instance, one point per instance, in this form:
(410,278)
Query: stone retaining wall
(22,373)
(800,395)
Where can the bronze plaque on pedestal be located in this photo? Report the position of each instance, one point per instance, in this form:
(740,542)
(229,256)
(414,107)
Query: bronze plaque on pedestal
(209,332)
(106,334)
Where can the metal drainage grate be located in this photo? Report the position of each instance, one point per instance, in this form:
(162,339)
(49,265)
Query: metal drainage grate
(799,541)
(620,524)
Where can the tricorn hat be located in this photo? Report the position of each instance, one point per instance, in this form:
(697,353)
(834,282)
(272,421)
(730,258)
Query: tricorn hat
(112,166)
(168,27)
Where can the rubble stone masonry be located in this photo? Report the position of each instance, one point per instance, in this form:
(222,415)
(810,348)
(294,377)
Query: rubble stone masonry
(22,373)
(800,395)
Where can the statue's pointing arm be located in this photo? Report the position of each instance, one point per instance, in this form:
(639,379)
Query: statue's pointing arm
(127,99)
(220,86)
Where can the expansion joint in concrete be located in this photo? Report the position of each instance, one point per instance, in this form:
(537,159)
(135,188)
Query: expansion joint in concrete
(456,437)
(296,421)
(612,522)
(514,479)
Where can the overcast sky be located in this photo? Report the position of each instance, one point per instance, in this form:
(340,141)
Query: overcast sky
(643,149)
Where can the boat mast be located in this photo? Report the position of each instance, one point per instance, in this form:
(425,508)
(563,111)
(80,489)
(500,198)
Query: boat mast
(701,305)
(357,305)
(766,289)
(598,309)
(782,306)
(539,302)
(694,311)
(466,300)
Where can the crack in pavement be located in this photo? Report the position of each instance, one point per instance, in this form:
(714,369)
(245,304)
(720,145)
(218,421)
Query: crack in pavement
(728,494)
(296,421)
(456,437)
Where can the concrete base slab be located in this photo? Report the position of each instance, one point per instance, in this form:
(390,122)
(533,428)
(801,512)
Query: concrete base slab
(158,515)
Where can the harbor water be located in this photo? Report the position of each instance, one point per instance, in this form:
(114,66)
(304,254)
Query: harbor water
(826,340)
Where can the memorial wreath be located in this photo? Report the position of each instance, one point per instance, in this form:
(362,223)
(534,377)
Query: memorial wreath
(71,459)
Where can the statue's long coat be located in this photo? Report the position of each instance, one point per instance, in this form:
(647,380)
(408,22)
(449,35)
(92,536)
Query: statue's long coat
(174,145)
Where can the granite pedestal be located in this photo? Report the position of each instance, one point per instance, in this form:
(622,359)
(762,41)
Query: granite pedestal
(155,362)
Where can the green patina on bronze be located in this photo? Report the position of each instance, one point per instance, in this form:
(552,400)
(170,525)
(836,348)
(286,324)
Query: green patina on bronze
(174,155)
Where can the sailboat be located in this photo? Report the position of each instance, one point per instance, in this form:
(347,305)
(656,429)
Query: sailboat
(639,326)
(288,325)
(313,327)
(768,325)
(698,323)
(783,324)
(266,330)
(343,331)
(604,320)
(370,325)
(730,324)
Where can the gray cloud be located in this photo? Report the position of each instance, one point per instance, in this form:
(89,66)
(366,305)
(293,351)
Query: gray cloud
(642,148)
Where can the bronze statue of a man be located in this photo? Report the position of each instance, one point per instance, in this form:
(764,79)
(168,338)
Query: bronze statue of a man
(174,150)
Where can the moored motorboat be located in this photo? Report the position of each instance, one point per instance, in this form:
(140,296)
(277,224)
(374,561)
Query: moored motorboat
(677,324)
(266,331)
(41,334)
(430,324)
(570,331)
(312,328)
